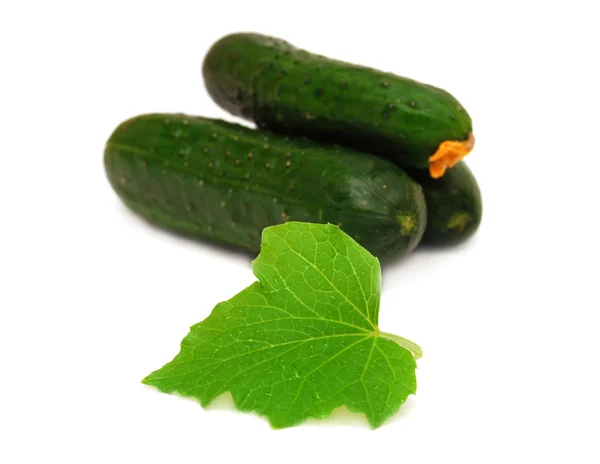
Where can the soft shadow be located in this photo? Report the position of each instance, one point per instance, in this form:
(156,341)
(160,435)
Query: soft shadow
(340,417)
(466,243)
(237,252)
(424,254)
(405,410)
(223,402)
(169,234)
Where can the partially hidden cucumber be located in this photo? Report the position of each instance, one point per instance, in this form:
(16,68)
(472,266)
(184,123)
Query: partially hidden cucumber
(225,183)
(292,91)
(454,207)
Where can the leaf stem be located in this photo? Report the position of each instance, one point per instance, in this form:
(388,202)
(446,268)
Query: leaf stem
(404,343)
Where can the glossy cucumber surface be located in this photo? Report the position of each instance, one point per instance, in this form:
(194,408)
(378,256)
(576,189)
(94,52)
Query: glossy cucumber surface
(225,183)
(292,91)
(454,207)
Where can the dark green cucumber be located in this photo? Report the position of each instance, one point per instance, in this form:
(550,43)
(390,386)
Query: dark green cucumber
(289,90)
(454,206)
(225,183)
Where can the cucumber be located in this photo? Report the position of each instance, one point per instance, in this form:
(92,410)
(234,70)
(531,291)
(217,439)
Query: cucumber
(454,205)
(289,90)
(225,183)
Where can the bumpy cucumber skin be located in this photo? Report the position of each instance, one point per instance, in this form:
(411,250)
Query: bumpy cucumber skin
(291,91)
(225,183)
(454,206)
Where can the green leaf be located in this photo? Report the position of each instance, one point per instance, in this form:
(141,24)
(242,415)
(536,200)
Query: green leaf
(301,341)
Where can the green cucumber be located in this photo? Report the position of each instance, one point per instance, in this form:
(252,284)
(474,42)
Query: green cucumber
(289,90)
(225,183)
(454,206)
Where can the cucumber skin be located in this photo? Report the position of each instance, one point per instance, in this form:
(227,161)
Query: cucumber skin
(225,183)
(291,91)
(454,206)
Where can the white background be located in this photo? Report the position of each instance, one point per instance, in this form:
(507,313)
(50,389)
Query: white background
(92,298)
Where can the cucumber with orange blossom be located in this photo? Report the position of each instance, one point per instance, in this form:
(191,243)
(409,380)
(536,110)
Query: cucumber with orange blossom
(292,91)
